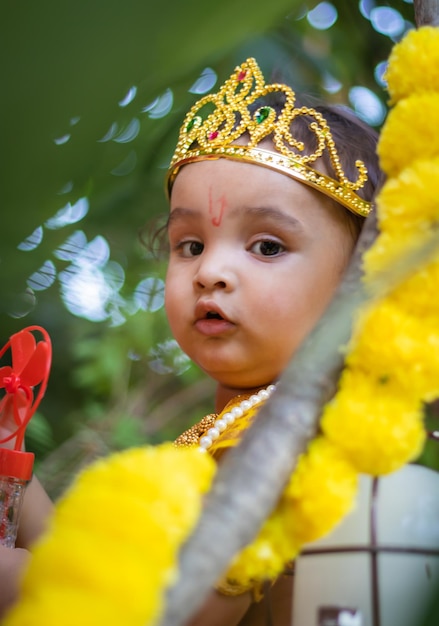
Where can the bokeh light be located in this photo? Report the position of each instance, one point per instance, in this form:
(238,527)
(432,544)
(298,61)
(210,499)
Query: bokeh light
(111,133)
(161,106)
(323,16)
(366,7)
(33,241)
(69,214)
(168,358)
(131,94)
(149,294)
(126,166)
(59,141)
(367,105)
(331,84)
(379,73)
(205,82)
(90,285)
(387,21)
(43,278)
(129,133)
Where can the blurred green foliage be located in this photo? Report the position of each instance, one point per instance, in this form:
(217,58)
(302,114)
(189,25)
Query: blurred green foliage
(67,70)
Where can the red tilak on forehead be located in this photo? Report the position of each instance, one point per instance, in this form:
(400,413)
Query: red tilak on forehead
(217,214)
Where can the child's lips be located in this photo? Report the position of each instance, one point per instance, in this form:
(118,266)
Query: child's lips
(213,326)
(210,320)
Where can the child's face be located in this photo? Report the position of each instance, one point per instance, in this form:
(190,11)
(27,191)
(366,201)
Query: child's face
(255,258)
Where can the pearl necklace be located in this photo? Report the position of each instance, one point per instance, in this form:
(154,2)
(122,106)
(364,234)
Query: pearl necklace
(226,419)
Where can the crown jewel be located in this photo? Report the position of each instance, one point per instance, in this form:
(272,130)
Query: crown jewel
(217,124)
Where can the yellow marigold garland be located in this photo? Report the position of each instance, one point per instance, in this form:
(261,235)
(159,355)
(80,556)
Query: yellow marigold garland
(413,345)
(417,184)
(376,424)
(411,122)
(112,546)
(420,290)
(393,363)
(414,65)
(394,350)
(321,491)
(373,425)
(266,556)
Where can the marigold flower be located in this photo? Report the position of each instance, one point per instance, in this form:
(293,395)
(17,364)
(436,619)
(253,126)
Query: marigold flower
(397,348)
(321,491)
(414,64)
(407,125)
(388,250)
(111,550)
(375,423)
(418,294)
(266,556)
(409,201)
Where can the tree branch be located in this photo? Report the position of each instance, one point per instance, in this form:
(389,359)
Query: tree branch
(426,12)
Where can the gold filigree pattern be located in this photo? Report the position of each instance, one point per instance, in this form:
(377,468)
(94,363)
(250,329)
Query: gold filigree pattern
(223,125)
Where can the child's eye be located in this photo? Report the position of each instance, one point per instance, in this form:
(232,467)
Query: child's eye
(190,248)
(267,247)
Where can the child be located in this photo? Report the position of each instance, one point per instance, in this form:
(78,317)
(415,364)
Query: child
(267,201)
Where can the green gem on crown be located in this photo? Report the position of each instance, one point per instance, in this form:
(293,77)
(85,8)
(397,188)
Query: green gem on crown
(262,114)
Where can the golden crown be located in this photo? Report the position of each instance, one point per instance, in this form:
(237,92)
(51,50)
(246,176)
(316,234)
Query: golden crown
(215,135)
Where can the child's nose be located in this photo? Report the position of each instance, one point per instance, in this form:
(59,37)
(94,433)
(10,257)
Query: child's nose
(215,271)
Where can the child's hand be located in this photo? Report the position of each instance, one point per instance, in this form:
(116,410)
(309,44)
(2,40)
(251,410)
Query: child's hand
(12,563)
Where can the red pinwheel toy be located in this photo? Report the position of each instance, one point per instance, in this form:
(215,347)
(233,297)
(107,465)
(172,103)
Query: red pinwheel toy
(23,384)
